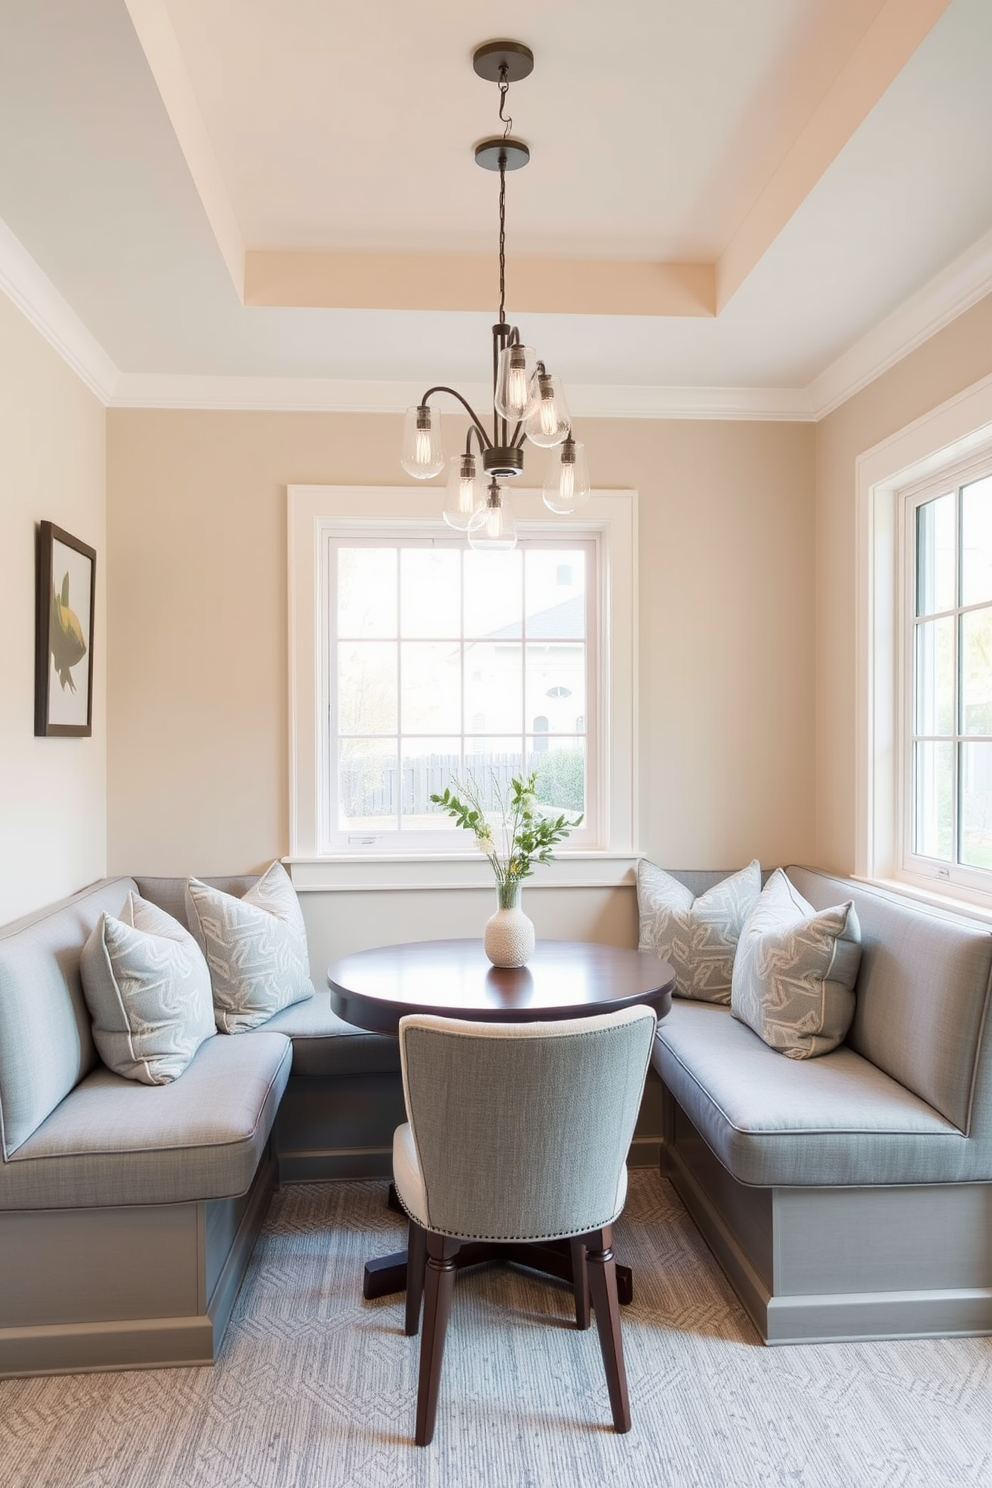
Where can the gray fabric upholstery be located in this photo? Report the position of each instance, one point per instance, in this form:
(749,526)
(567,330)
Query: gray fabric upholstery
(324,1044)
(410,1180)
(520,1130)
(699,880)
(833,1121)
(922,994)
(170,893)
(147,987)
(112,1141)
(45,1042)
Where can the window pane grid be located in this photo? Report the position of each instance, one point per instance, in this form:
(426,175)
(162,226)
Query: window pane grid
(951,703)
(446,669)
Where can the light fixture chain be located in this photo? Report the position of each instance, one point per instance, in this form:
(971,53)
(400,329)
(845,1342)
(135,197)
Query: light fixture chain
(502,238)
(504,88)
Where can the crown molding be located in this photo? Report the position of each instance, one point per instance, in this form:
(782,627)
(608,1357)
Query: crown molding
(953,291)
(270,394)
(328,395)
(34,294)
(760,403)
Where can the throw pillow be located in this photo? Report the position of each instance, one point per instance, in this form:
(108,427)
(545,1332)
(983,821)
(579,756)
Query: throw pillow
(795,971)
(147,987)
(256,948)
(698,936)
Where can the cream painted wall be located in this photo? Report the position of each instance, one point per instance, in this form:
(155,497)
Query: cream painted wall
(198,703)
(949,362)
(52,467)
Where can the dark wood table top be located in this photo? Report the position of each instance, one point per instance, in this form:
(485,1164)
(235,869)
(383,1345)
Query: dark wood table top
(563,979)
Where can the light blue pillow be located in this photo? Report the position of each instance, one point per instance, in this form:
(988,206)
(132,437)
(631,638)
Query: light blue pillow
(147,987)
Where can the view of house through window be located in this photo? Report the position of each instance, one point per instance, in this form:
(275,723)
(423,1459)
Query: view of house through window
(448,664)
(951,696)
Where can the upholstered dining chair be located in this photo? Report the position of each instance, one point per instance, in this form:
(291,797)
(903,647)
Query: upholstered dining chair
(517,1133)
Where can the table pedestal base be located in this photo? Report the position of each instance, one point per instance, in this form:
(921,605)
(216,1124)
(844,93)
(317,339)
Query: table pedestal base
(387,1274)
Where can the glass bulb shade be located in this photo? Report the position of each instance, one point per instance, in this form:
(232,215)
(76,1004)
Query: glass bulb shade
(496,529)
(465,495)
(566,485)
(549,423)
(516,391)
(423,451)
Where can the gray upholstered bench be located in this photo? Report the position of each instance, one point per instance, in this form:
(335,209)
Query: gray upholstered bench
(344,1098)
(128,1211)
(848,1196)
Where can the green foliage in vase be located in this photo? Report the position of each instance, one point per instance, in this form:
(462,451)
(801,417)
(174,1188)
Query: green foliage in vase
(524,834)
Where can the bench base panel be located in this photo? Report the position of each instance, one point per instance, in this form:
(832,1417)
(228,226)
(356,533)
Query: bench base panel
(817,1265)
(341,1127)
(338,1126)
(143,1288)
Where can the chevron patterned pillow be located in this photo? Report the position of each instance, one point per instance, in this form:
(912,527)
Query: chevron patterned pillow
(256,948)
(795,971)
(698,936)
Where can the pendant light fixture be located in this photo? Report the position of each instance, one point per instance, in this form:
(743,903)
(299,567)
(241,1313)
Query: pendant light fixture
(528,402)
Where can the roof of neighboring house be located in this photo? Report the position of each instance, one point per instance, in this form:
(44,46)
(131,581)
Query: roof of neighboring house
(565,621)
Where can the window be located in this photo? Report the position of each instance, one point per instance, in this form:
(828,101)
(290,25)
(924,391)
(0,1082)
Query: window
(414,659)
(947,762)
(436,660)
(924,655)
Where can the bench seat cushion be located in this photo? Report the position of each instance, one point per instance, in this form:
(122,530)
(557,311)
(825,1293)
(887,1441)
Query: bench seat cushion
(324,1044)
(833,1121)
(112,1141)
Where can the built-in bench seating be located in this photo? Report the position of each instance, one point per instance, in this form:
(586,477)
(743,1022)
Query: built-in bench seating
(128,1211)
(848,1196)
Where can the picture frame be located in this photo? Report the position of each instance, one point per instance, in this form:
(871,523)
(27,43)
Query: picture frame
(65,605)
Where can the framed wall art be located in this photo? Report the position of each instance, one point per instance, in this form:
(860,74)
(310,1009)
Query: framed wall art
(66,594)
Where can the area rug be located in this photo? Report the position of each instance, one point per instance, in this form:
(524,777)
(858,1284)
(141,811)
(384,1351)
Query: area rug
(315,1388)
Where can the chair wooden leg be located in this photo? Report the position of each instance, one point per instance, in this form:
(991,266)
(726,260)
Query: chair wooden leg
(416,1260)
(439,1283)
(603,1286)
(580,1282)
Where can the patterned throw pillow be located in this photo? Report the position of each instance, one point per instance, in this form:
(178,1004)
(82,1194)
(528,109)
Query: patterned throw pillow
(698,936)
(795,971)
(147,987)
(256,948)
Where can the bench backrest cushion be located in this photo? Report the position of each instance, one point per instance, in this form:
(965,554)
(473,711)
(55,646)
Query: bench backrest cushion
(170,893)
(922,994)
(46,1046)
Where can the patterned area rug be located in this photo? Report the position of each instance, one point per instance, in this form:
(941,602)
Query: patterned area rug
(315,1388)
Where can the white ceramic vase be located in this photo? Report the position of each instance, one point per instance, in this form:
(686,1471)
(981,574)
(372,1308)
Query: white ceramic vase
(508,938)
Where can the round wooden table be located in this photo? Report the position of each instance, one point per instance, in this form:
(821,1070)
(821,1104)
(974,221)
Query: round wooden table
(563,979)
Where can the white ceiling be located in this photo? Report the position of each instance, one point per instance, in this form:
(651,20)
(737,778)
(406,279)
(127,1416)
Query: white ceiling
(135,176)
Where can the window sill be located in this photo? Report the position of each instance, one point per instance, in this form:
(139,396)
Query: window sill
(390,873)
(933,898)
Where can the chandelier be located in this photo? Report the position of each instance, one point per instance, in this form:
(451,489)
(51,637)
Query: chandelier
(528,403)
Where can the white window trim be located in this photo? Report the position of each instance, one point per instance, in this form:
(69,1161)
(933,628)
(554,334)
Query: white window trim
(612,517)
(945,439)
